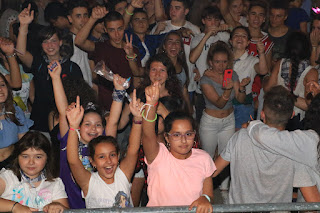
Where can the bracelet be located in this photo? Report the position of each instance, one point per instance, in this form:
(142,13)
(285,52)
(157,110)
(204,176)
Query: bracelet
(73,129)
(224,97)
(9,56)
(206,196)
(131,57)
(147,119)
(155,104)
(13,206)
(136,122)
(242,91)
(130,14)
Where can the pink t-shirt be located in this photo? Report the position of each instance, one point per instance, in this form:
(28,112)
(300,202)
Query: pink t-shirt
(175,182)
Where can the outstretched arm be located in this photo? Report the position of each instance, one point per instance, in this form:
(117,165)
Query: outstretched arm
(25,18)
(220,164)
(129,11)
(128,164)
(261,67)
(82,176)
(59,96)
(149,137)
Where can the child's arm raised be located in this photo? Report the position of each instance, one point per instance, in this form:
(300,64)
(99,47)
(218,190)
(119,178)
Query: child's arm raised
(149,137)
(59,96)
(128,164)
(81,175)
(116,107)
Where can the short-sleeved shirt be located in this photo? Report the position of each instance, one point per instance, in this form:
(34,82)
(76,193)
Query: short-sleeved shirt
(24,194)
(44,98)
(260,176)
(201,62)
(175,182)
(252,47)
(295,17)
(219,90)
(9,131)
(279,48)
(115,59)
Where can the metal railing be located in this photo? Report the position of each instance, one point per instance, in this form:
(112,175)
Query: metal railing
(263,207)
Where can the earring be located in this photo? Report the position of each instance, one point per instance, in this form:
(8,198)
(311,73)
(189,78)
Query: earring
(168,145)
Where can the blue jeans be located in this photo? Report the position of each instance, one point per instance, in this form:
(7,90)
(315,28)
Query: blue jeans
(215,132)
(242,114)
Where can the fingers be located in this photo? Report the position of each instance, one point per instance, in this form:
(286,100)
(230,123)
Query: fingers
(134,97)
(127,40)
(78,102)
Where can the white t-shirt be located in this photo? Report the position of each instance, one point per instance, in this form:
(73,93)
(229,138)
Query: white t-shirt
(201,63)
(24,194)
(243,21)
(80,57)
(103,195)
(187,41)
(244,67)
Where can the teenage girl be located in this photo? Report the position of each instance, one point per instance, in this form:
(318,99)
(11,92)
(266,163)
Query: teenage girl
(112,180)
(13,124)
(92,126)
(172,169)
(29,184)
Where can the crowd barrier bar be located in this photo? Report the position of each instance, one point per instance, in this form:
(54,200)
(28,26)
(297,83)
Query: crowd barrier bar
(263,207)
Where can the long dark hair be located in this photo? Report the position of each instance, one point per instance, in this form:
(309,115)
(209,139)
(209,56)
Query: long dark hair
(181,56)
(9,104)
(298,48)
(37,141)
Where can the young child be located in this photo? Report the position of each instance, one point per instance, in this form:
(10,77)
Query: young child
(92,126)
(104,188)
(261,171)
(172,170)
(29,185)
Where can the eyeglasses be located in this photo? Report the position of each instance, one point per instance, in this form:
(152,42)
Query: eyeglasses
(178,136)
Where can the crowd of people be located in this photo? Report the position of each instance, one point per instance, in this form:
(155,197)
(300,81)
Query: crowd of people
(116,103)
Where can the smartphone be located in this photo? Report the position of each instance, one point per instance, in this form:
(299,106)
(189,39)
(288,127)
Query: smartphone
(227,75)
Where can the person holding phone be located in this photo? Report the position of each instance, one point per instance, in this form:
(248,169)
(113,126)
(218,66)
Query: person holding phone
(219,87)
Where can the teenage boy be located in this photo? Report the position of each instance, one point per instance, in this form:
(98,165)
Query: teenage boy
(78,17)
(278,31)
(179,9)
(118,55)
(264,173)
(57,15)
(200,44)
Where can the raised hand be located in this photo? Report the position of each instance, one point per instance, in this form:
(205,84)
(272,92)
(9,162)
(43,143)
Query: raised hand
(26,16)
(75,114)
(314,38)
(137,3)
(186,32)
(244,82)
(54,69)
(160,27)
(128,48)
(213,30)
(6,46)
(98,12)
(260,47)
(118,82)
(153,93)
(136,105)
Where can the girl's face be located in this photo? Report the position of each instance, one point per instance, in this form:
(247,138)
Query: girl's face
(158,72)
(219,62)
(91,127)
(32,161)
(51,46)
(236,7)
(173,45)
(3,91)
(239,40)
(181,139)
(106,161)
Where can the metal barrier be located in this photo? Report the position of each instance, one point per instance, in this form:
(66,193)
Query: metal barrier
(264,207)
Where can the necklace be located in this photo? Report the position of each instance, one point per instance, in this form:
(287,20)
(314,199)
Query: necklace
(31,181)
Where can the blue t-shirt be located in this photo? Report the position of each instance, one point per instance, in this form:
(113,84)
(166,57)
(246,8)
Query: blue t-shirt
(295,17)
(9,131)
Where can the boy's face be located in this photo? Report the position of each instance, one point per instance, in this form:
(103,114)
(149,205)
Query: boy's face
(256,17)
(211,21)
(277,17)
(115,30)
(79,17)
(236,7)
(316,25)
(140,23)
(177,11)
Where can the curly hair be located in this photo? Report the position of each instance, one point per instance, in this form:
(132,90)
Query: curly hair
(172,84)
(8,105)
(181,58)
(298,48)
(220,47)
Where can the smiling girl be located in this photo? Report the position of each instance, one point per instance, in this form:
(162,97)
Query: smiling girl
(29,185)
